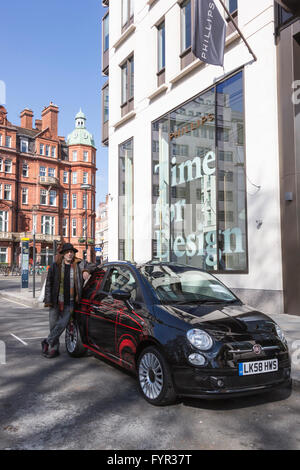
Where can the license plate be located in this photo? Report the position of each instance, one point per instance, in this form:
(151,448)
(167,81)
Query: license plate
(258,367)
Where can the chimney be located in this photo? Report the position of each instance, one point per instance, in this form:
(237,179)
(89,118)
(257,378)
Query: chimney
(50,119)
(26,118)
(38,124)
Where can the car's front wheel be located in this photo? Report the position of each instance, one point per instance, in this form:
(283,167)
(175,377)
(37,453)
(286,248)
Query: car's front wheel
(154,376)
(74,345)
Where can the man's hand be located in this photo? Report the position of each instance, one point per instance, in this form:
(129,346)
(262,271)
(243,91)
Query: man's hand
(86,275)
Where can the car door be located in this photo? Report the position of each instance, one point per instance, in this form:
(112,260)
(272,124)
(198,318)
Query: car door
(104,312)
(131,325)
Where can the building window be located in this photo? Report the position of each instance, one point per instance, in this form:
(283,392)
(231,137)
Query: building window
(7,192)
(127,95)
(231,5)
(24,146)
(64,227)
(65,200)
(126,220)
(3,254)
(199,187)
(186,25)
(47,150)
(74,177)
(74,201)
(1,164)
(52,198)
(51,172)
(3,221)
(65,177)
(25,170)
(8,166)
(85,156)
(106,33)
(74,155)
(42,171)
(84,199)
(74,227)
(105,101)
(43,197)
(48,225)
(0,139)
(8,141)
(127,13)
(42,149)
(85,179)
(53,152)
(161,46)
(24,195)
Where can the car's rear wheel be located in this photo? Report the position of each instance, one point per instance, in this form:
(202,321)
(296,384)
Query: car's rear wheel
(154,376)
(73,341)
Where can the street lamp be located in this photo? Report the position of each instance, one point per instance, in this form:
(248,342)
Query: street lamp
(86,187)
(34,209)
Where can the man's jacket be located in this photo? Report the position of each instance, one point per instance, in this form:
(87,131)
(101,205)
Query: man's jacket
(53,281)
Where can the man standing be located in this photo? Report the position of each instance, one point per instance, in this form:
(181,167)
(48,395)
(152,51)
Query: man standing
(62,291)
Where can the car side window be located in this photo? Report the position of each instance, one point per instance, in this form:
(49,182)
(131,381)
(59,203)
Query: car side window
(94,283)
(121,278)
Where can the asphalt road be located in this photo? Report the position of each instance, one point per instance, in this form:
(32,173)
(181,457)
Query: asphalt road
(85,403)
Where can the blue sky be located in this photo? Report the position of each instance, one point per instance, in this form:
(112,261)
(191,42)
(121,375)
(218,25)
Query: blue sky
(51,51)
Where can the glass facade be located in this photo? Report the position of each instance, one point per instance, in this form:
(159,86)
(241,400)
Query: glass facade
(199,190)
(126,217)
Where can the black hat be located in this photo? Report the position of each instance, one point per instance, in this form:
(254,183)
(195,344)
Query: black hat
(67,247)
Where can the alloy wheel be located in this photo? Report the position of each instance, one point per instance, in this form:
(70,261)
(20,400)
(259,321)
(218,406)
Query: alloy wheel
(71,337)
(151,376)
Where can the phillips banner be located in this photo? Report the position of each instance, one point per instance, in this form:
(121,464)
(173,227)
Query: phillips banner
(209,34)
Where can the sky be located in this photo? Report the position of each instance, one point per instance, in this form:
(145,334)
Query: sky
(50,50)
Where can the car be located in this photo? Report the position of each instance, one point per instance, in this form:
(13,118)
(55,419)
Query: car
(180,330)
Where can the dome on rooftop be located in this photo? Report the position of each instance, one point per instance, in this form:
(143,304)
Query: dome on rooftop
(80,135)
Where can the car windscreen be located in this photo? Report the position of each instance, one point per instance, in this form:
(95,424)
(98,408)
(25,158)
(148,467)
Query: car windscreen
(181,284)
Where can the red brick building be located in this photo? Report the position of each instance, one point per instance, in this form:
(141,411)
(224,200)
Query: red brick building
(47,179)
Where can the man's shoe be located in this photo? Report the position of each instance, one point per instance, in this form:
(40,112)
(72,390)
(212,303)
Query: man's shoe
(52,354)
(45,346)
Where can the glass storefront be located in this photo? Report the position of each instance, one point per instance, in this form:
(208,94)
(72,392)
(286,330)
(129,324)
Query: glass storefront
(126,201)
(198,181)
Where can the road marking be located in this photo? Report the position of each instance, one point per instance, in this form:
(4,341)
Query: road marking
(36,337)
(19,339)
(9,300)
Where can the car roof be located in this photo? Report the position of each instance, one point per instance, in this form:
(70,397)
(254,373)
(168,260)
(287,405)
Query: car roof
(133,264)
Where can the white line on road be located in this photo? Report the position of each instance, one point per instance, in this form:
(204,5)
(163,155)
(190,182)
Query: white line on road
(9,300)
(19,339)
(36,337)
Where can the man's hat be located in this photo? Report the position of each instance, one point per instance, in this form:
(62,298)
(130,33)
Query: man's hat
(67,247)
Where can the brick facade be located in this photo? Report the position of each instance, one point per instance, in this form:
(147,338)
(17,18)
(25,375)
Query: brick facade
(38,175)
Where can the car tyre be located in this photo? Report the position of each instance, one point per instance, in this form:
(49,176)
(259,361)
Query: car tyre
(154,377)
(73,341)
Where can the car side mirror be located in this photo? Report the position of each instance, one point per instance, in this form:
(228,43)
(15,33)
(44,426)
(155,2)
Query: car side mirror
(121,295)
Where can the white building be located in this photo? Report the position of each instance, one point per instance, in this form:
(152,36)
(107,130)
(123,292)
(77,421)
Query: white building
(195,155)
(101,238)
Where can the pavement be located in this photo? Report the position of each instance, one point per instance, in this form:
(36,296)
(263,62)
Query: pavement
(290,324)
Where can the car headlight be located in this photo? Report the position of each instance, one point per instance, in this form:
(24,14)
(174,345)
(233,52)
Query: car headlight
(200,339)
(280,334)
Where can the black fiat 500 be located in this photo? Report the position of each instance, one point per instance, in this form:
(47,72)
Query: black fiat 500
(182,332)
